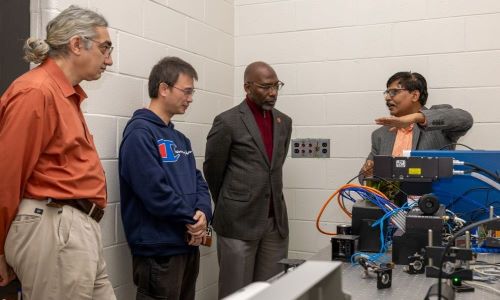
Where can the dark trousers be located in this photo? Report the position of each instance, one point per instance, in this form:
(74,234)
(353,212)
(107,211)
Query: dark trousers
(243,262)
(166,277)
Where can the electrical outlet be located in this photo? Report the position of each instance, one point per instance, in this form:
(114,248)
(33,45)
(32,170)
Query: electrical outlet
(323,148)
(311,148)
(303,148)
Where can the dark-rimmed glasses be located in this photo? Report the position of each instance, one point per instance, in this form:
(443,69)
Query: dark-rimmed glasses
(267,87)
(105,47)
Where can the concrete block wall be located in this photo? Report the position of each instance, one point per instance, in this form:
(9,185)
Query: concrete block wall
(335,57)
(143,31)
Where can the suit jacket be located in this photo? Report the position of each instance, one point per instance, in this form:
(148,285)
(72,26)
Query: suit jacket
(240,176)
(445,125)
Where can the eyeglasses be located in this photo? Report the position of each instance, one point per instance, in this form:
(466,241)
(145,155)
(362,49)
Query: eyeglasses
(268,87)
(186,91)
(104,47)
(393,92)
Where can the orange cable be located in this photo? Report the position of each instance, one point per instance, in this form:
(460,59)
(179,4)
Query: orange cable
(321,213)
(344,209)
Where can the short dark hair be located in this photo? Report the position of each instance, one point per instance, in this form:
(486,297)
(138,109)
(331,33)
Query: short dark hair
(411,81)
(168,70)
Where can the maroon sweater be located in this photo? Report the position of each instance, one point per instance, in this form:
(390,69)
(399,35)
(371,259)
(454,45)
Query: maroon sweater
(264,119)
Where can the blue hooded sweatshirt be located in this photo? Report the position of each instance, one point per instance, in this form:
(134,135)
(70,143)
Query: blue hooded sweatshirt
(160,187)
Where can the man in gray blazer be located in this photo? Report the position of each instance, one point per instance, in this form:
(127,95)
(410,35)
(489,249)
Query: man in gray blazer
(244,157)
(411,125)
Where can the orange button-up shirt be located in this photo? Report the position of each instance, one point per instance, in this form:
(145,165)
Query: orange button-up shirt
(403,140)
(46,150)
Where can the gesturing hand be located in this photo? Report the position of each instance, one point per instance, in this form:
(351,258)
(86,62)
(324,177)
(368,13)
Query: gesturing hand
(400,122)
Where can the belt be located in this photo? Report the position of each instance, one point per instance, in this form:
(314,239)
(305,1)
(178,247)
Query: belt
(82,205)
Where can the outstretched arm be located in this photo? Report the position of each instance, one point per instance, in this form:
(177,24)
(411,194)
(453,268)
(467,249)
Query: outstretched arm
(401,122)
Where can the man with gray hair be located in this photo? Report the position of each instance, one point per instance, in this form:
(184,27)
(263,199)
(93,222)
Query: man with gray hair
(53,185)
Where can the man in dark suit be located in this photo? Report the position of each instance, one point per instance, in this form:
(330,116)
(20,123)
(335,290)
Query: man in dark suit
(244,157)
(411,125)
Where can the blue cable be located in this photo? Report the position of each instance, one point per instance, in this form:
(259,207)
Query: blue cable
(389,210)
(379,201)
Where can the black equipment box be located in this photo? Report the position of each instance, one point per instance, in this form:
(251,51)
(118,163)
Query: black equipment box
(419,169)
(364,214)
(415,239)
(343,246)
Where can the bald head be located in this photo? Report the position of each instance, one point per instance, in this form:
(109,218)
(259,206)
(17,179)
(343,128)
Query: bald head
(254,70)
(261,84)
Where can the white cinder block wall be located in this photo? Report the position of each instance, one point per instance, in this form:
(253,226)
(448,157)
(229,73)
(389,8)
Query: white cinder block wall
(335,57)
(143,31)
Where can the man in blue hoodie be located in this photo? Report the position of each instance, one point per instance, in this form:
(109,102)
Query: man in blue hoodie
(165,202)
